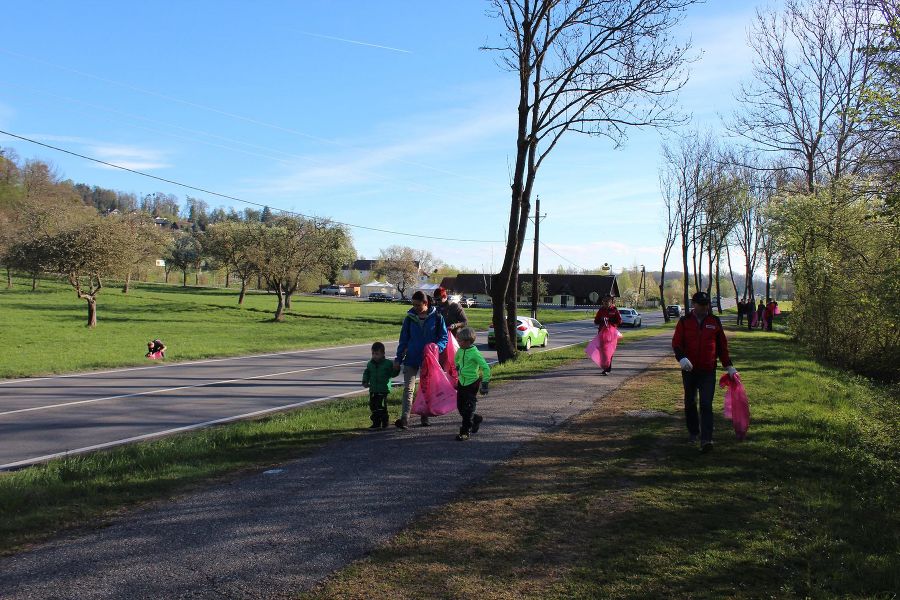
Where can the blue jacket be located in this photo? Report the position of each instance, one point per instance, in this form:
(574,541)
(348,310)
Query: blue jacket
(416,333)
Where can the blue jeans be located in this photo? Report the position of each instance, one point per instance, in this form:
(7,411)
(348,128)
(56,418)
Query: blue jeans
(703,382)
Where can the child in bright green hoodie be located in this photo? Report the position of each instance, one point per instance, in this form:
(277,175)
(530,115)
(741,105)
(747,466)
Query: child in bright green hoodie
(474,373)
(377,377)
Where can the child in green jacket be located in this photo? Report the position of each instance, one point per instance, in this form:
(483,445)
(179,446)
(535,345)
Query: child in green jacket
(377,377)
(474,373)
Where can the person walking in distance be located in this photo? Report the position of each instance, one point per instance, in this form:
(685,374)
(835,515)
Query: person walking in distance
(607,316)
(698,342)
(422,325)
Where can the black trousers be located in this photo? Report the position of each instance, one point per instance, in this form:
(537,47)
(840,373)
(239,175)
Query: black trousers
(466,402)
(703,382)
(378,408)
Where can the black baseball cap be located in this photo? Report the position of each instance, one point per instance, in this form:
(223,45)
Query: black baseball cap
(700,298)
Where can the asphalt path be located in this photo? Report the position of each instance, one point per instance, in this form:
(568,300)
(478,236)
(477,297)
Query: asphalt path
(50,417)
(277,531)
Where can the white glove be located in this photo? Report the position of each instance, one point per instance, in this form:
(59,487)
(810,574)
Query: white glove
(731,371)
(685,364)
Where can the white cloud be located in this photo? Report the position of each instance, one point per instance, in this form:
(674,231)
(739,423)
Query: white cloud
(418,144)
(137,158)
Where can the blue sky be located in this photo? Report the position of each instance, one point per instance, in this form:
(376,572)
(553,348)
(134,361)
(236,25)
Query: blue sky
(384,114)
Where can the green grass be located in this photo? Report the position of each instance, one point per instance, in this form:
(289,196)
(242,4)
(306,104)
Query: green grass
(613,506)
(43,332)
(40,501)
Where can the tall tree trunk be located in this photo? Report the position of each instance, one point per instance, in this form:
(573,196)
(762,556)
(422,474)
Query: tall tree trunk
(127,282)
(731,274)
(687,281)
(92,311)
(662,295)
(33,282)
(167,275)
(279,311)
(243,291)
(718,289)
(227,278)
(287,300)
(184,278)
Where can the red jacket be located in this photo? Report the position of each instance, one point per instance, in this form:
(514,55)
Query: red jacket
(701,343)
(611,315)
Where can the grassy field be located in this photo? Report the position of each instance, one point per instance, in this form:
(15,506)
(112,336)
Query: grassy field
(617,506)
(43,332)
(40,501)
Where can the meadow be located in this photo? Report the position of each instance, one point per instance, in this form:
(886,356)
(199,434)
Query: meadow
(43,331)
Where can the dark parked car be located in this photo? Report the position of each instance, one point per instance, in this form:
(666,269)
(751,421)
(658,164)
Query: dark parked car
(675,310)
(380,297)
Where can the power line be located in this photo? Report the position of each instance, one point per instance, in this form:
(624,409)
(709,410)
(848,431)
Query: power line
(236,199)
(561,256)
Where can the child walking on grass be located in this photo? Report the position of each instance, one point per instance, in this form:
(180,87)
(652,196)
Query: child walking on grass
(377,377)
(474,373)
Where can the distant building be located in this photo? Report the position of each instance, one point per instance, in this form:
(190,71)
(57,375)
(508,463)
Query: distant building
(562,289)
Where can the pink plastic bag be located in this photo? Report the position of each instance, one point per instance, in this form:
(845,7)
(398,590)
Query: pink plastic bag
(726,405)
(777,310)
(603,346)
(447,359)
(436,394)
(736,400)
(155,355)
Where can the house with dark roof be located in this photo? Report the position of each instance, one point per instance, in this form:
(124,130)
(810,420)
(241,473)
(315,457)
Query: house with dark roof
(562,289)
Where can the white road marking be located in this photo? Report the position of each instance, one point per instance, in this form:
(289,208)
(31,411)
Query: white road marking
(147,436)
(174,389)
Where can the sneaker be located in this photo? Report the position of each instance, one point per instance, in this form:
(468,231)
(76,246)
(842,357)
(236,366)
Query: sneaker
(400,423)
(476,423)
(461,437)
(692,439)
(604,373)
(706,447)
(425,422)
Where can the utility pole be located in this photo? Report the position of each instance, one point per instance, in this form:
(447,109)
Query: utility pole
(642,287)
(534,269)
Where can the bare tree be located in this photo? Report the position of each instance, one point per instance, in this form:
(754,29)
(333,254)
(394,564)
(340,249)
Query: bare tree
(672,198)
(232,243)
(397,264)
(808,79)
(592,66)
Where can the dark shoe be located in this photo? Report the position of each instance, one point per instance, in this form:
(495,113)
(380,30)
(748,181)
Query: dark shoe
(400,423)
(375,425)
(384,423)
(461,437)
(706,447)
(604,373)
(425,422)
(476,423)
(692,439)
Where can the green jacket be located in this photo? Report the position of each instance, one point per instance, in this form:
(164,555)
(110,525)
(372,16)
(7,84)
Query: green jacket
(469,362)
(378,375)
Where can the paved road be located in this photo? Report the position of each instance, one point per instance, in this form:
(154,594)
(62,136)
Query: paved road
(43,418)
(272,534)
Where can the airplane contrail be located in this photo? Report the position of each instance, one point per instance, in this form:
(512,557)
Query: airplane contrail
(329,37)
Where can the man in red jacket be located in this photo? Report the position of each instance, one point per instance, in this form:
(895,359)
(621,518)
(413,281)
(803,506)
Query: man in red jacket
(698,341)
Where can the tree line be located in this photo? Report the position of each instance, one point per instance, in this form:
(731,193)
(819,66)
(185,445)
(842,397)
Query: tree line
(87,236)
(808,185)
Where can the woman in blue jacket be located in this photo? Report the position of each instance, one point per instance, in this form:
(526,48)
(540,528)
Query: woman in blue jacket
(422,325)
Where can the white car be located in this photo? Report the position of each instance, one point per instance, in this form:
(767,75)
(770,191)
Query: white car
(467,301)
(630,317)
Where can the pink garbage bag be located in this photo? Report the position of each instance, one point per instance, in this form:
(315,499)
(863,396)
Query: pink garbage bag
(603,346)
(777,310)
(436,394)
(726,405)
(155,355)
(447,359)
(740,404)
